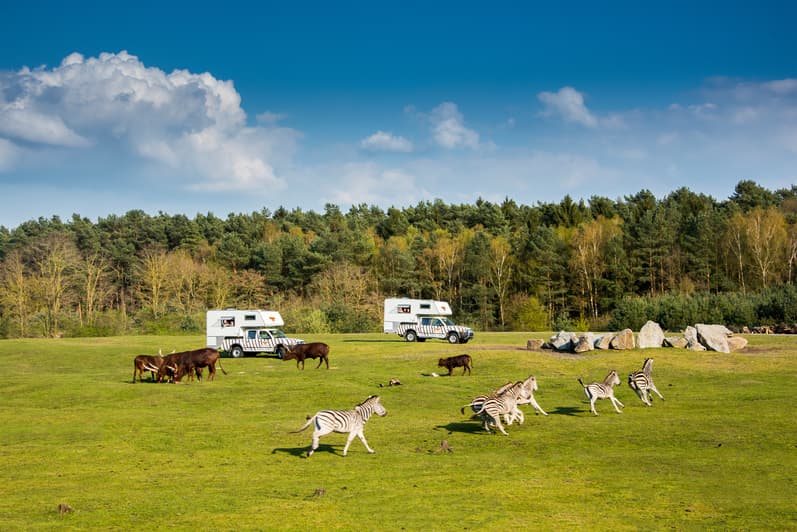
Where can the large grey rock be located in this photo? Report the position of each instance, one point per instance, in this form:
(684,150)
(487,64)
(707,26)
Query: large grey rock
(623,340)
(714,337)
(650,335)
(692,343)
(676,341)
(586,342)
(564,341)
(736,343)
(534,344)
(603,342)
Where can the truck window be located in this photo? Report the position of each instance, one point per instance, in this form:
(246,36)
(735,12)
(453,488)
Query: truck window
(436,323)
(251,334)
(264,335)
(426,321)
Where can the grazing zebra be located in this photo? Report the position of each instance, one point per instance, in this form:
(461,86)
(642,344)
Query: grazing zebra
(351,421)
(642,382)
(503,405)
(602,390)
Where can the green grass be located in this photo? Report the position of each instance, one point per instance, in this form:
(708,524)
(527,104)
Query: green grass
(719,453)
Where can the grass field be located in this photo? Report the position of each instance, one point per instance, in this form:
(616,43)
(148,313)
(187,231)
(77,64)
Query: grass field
(719,453)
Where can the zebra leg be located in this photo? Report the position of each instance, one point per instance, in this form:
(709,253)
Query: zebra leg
(314,445)
(352,434)
(500,427)
(643,395)
(362,439)
(592,405)
(615,402)
(653,387)
(537,407)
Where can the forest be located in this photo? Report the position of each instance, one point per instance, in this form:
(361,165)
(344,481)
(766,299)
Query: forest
(600,264)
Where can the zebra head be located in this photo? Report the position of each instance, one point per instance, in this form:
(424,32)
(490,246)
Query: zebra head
(530,383)
(612,378)
(371,406)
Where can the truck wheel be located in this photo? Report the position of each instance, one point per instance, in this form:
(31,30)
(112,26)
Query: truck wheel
(236,351)
(280,351)
(453,338)
(410,336)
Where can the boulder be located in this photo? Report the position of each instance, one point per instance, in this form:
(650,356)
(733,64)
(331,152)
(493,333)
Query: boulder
(676,341)
(736,343)
(623,340)
(534,344)
(586,342)
(714,337)
(602,342)
(650,335)
(564,341)
(692,343)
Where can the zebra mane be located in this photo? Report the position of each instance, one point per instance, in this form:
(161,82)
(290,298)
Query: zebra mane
(647,366)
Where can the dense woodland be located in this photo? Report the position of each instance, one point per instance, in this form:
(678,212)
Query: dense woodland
(598,264)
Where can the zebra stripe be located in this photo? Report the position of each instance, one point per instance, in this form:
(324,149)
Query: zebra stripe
(351,421)
(602,390)
(642,382)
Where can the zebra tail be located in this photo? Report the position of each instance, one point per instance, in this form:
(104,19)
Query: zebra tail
(580,381)
(462,410)
(309,422)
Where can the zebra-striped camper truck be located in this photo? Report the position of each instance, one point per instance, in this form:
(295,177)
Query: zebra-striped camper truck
(419,319)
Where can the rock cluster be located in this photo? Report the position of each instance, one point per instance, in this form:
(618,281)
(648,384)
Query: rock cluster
(701,337)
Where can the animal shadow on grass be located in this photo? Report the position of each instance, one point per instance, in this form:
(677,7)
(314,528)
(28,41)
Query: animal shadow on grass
(466,427)
(566,411)
(301,452)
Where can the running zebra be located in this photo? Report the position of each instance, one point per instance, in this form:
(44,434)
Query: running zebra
(477,402)
(503,405)
(351,421)
(531,385)
(642,382)
(602,390)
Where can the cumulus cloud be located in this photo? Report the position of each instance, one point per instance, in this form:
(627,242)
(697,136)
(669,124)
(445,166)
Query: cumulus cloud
(382,141)
(449,130)
(568,103)
(191,124)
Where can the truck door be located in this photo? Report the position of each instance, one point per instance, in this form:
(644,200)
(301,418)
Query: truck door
(433,328)
(267,340)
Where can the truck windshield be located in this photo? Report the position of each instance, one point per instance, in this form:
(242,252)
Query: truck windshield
(447,321)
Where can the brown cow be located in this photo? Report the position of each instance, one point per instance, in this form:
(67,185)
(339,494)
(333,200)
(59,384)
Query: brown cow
(177,365)
(300,352)
(142,363)
(463,361)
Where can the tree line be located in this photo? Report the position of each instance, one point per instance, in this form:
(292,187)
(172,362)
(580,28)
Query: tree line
(573,264)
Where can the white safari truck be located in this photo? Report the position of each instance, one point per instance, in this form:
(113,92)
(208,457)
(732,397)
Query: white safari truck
(243,332)
(419,319)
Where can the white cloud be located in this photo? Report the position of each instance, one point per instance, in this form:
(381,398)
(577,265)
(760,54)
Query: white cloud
(782,86)
(369,182)
(191,124)
(267,117)
(569,104)
(382,141)
(449,130)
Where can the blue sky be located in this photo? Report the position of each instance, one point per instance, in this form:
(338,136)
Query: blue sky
(227,107)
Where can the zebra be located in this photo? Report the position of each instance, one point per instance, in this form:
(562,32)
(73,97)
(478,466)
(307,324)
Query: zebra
(531,385)
(602,390)
(642,382)
(351,421)
(503,405)
(477,402)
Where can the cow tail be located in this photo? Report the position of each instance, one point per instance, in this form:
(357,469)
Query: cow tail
(309,422)
(221,368)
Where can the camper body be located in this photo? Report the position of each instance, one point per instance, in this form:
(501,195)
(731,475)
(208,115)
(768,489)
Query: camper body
(243,332)
(419,319)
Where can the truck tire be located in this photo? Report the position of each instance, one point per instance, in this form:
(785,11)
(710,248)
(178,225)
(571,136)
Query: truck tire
(453,338)
(280,351)
(410,336)
(236,351)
